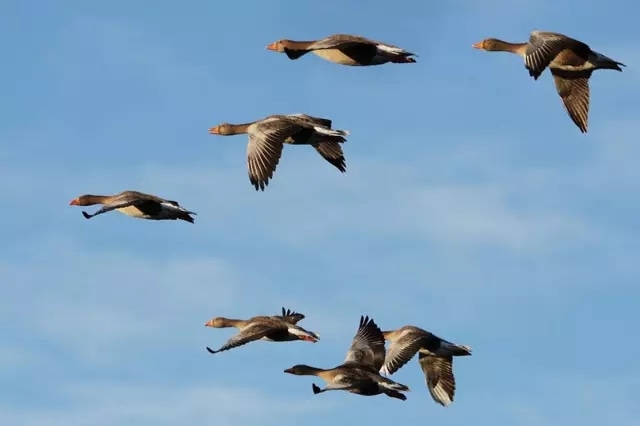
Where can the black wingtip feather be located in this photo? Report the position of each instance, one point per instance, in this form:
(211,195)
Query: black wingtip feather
(259,186)
(365,320)
(187,218)
(86,215)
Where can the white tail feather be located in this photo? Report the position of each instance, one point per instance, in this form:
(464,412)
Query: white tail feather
(298,332)
(390,49)
(168,206)
(389,384)
(331,132)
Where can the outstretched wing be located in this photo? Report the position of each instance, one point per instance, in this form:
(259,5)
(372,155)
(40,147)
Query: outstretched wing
(400,352)
(265,146)
(332,152)
(290,316)
(325,122)
(343,41)
(255,331)
(438,373)
(544,46)
(573,89)
(145,206)
(367,347)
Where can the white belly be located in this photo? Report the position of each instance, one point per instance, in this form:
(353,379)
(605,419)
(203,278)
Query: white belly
(131,211)
(335,55)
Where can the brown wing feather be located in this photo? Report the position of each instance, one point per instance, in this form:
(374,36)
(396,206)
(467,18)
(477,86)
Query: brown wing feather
(359,49)
(147,204)
(544,47)
(367,347)
(400,352)
(291,316)
(325,122)
(341,40)
(438,373)
(332,152)
(265,148)
(573,89)
(253,331)
(135,195)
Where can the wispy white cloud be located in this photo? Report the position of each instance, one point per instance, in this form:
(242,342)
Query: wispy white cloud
(569,395)
(443,212)
(485,214)
(124,52)
(108,300)
(121,402)
(104,301)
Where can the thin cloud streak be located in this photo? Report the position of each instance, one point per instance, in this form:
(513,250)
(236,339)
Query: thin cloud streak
(99,404)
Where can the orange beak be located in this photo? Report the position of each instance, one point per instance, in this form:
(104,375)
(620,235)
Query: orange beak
(272,46)
(214,131)
(208,323)
(477,45)
(73,202)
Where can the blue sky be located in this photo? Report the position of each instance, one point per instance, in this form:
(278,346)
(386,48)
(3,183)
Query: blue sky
(472,207)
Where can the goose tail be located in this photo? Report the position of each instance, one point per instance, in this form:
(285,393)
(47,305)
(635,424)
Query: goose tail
(331,132)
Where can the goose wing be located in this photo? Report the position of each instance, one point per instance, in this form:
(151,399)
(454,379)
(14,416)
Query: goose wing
(438,371)
(290,316)
(544,46)
(147,204)
(367,347)
(573,89)
(266,141)
(342,40)
(332,152)
(324,122)
(255,330)
(401,351)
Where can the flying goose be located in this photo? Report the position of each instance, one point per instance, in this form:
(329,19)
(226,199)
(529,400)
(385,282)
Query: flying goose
(268,136)
(276,328)
(434,354)
(359,372)
(345,49)
(570,61)
(135,204)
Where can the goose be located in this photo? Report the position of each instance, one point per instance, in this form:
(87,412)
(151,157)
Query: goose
(435,356)
(276,328)
(358,373)
(345,49)
(570,61)
(135,204)
(268,136)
